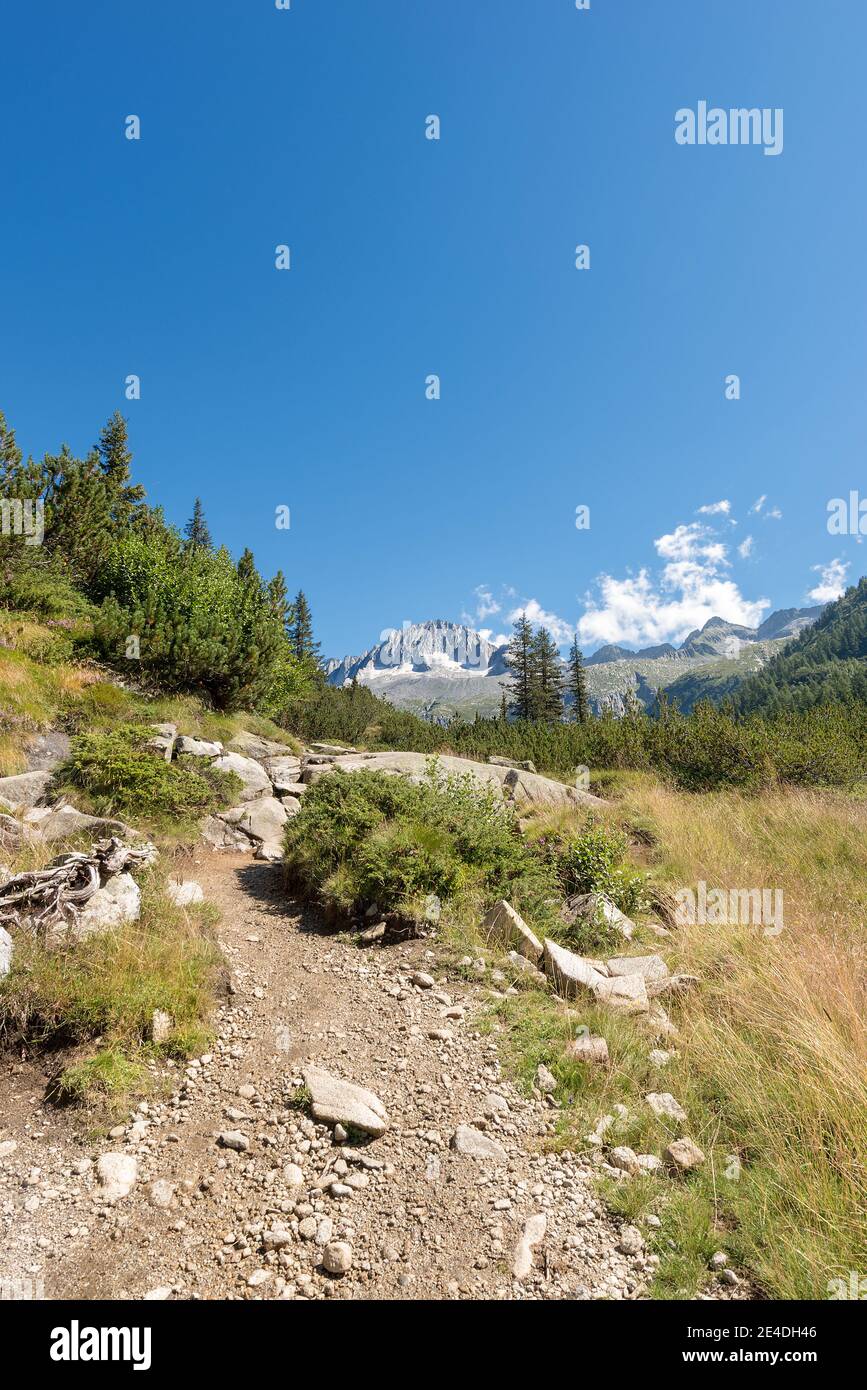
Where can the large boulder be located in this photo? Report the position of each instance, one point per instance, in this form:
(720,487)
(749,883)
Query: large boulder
(262,819)
(574,976)
(255,780)
(259,749)
(61,822)
(117,903)
(47,750)
(502,923)
(24,790)
(649,967)
(338,1102)
(571,975)
(219,834)
(523,788)
(198,747)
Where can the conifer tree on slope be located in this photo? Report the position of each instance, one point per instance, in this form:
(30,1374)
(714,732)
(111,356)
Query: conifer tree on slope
(247,567)
(521,662)
(577,684)
(301,630)
(196,530)
(547,678)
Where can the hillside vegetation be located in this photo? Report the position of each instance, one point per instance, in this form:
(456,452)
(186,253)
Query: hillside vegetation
(827,662)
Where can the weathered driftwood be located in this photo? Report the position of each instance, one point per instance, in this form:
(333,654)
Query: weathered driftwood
(39,898)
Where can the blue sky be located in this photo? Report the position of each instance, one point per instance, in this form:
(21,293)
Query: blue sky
(306,388)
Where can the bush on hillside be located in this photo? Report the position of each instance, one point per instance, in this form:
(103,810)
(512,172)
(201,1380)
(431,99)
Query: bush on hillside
(596,861)
(120,776)
(368,837)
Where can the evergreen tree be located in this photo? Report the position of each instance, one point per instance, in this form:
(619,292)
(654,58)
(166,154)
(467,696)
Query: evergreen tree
(122,496)
(196,530)
(504,713)
(546,700)
(577,684)
(520,661)
(301,630)
(278,599)
(247,567)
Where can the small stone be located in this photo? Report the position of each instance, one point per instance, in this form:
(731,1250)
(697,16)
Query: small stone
(719,1259)
(117,1175)
(664,1103)
(684,1154)
(588,1048)
(545,1080)
(658,1057)
(475,1144)
(233,1139)
(625,1159)
(533,1233)
(631,1241)
(258,1278)
(161,1193)
(422,980)
(337,1257)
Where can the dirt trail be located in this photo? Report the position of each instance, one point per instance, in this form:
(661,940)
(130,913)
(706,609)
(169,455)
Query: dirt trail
(422,1220)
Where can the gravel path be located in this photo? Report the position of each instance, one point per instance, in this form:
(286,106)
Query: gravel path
(412,1215)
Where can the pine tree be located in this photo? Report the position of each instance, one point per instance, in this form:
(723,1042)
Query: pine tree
(504,713)
(520,661)
(196,530)
(577,684)
(122,495)
(247,567)
(301,630)
(278,598)
(546,700)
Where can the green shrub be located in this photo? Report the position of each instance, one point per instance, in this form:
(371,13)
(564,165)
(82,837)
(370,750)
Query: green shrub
(368,837)
(122,777)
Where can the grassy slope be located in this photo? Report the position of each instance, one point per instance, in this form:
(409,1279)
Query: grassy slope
(97,999)
(770,1062)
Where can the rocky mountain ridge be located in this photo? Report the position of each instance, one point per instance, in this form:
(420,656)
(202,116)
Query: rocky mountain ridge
(437,668)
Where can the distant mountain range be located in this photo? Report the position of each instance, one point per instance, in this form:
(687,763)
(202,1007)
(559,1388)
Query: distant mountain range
(438,668)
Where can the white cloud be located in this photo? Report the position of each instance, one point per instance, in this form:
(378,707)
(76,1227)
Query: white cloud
(832,582)
(715,508)
(759,503)
(693,586)
(560,630)
(487,604)
(773,514)
(746,547)
(497,639)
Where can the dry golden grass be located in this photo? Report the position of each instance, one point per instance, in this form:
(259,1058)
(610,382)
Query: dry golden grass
(771,1055)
